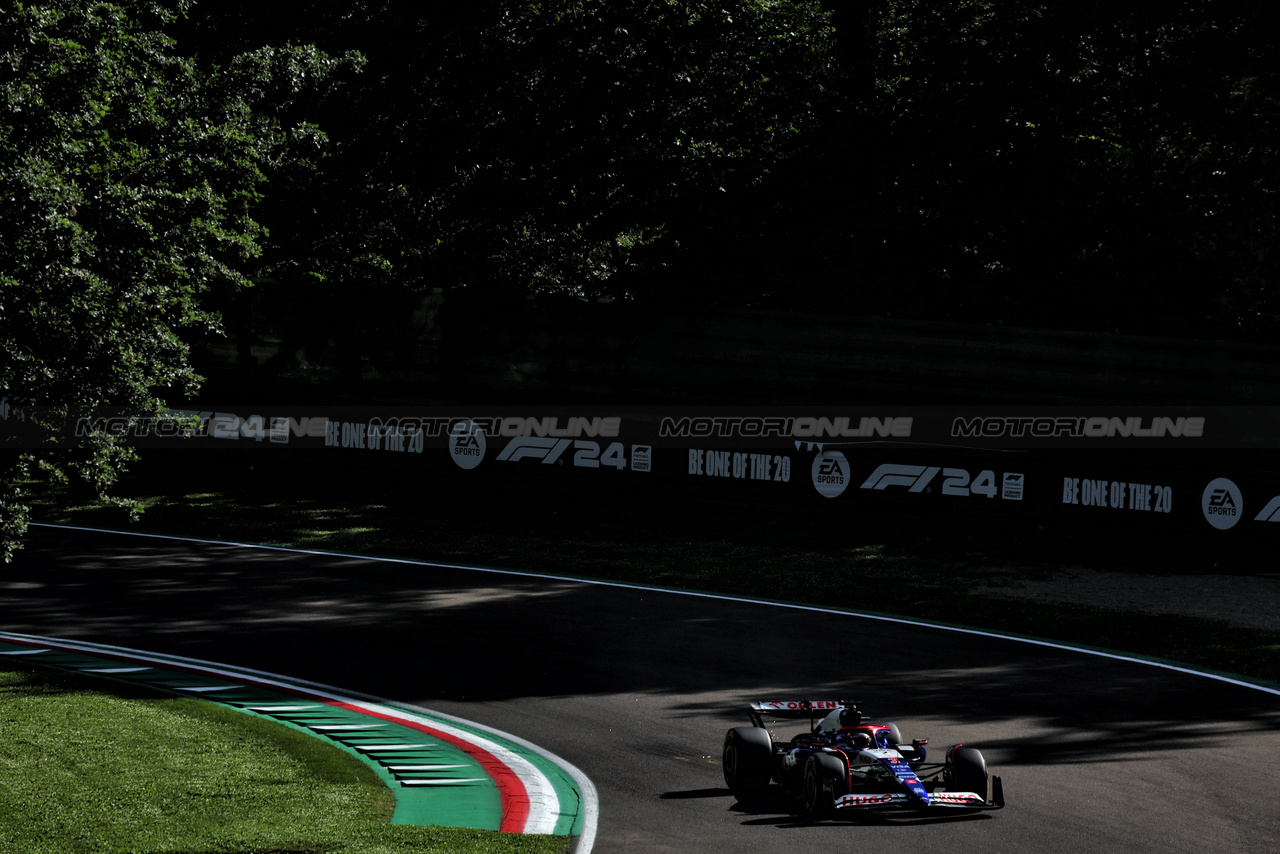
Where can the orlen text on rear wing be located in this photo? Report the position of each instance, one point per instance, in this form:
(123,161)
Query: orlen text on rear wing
(812,709)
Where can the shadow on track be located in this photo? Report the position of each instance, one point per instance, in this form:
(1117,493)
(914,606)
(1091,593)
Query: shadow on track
(412,632)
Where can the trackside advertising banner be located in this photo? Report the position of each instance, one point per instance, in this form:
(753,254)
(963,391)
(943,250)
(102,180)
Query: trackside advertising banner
(26,424)
(1153,492)
(1207,470)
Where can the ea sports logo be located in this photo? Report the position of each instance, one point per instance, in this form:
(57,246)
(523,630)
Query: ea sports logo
(830,473)
(466,444)
(1222,503)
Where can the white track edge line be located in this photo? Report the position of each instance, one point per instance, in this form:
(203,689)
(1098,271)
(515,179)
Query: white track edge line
(1115,656)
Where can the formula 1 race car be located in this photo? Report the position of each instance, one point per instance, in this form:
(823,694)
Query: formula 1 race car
(844,765)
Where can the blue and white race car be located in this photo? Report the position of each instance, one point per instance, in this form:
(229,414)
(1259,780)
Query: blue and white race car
(845,765)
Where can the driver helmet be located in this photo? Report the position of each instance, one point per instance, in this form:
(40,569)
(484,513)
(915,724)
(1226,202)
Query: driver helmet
(860,740)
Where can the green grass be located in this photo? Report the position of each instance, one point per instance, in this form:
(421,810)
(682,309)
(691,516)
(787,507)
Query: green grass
(84,768)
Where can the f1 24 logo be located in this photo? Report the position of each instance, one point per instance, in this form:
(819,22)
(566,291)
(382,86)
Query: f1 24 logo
(954,481)
(585,454)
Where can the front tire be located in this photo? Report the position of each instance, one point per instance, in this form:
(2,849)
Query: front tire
(824,780)
(747,759)
(969,772)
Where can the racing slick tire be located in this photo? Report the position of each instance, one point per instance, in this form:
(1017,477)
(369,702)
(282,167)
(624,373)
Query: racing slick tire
(825,779)
(747,760)
(969,772)
(895,737)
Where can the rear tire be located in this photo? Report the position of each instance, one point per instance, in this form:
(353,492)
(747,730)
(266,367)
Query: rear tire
(969,772)
(825,779)
(747,759)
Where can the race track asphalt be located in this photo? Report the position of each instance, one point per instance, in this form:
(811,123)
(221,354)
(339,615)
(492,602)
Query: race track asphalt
(636,688)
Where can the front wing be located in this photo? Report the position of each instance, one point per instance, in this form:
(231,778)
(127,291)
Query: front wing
(937,800)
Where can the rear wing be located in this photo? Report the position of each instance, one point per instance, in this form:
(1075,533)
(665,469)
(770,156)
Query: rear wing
(814,710)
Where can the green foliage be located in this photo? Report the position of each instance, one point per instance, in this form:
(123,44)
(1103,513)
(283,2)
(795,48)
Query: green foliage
(592,128)
(1087,165)
(128,179)
(539,147)
(1092,165)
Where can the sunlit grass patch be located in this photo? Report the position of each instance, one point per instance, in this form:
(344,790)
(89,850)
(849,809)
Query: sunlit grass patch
(128,770)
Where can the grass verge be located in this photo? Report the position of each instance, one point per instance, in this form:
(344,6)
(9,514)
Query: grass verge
(89,768)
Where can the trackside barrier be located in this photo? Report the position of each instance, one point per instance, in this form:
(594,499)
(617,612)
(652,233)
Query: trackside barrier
(1209,473)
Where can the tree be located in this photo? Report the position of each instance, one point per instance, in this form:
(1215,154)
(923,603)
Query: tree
(539,147)
(128,180)
(1091,164)
(1087,165)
